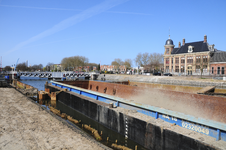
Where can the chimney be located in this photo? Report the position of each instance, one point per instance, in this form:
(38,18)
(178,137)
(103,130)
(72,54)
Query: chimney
(205,39)
(179,45)
(183,42)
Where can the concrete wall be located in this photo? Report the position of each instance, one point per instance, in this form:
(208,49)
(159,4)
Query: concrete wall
(146,134)
(162,80)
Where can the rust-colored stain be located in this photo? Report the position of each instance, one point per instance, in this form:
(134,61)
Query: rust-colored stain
(208,107)
(22,85)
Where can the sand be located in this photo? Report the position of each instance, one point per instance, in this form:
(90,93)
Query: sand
(24,125)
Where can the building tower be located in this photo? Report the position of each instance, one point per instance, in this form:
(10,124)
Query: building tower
(169,46)
(168,50)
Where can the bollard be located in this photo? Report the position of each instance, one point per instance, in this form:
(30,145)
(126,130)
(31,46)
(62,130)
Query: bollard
(111,105)
(107,139)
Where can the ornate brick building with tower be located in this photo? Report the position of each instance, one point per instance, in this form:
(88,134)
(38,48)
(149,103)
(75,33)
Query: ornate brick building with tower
(193,58)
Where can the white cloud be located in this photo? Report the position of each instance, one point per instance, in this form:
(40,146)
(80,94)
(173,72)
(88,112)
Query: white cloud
(70,22)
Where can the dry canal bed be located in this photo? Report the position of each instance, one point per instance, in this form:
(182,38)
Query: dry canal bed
(25,125)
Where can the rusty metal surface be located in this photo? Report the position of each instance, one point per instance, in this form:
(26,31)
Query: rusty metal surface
(204,106)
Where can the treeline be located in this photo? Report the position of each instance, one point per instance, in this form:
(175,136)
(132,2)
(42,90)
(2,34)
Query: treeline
(118,62)
(24,67)
(76,63)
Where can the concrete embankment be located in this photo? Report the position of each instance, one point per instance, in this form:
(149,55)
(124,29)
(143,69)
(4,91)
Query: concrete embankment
(27,125)
(175,80)
(147,131)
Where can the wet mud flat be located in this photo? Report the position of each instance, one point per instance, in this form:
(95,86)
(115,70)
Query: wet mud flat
(26,125)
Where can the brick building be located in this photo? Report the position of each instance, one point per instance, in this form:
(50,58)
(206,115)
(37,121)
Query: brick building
(193,58)
(113,68)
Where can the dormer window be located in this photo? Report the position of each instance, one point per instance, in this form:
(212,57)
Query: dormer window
(190,49)
(211,47)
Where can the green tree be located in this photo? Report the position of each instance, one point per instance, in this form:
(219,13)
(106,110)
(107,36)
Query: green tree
(98,67)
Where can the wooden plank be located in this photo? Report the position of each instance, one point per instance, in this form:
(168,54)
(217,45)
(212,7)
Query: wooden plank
(207,89)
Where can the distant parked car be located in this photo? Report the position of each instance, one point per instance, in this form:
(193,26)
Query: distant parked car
(167,74)
(156,74)
(147,73)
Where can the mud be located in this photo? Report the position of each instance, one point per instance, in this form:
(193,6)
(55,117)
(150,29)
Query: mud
(25,125)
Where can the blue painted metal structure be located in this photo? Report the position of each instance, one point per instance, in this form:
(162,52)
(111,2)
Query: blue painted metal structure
(204,126)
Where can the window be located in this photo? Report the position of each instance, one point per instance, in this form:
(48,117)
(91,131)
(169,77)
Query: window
(189,59)
(167,50)
(182,69)
(218,70)
(172,61)
(198,59)
(177,68)
(167,60)
(204,59)
(190,49)
(212,70)
(197,68)
(222,70)
(204,68)
(177,60)
(167,69)
(182,60)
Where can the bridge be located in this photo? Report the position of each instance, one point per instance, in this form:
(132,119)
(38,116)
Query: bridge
(60,75)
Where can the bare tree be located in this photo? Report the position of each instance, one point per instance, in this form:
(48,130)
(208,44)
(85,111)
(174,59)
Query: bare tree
(142,59)
(48,66)
(117,62)
(71,63)
(155,61)
(22,67)
(128,63)
(36,67)
(8,68)
(138,60)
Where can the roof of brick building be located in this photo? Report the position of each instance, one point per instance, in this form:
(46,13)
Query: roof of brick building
(198,47)
(218,56)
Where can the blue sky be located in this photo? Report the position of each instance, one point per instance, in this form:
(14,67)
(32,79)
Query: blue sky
(43,31)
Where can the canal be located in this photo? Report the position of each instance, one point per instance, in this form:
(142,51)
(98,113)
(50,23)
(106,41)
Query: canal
(109,137)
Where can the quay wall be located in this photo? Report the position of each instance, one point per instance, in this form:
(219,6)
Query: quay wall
(163,80)
(145,133)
